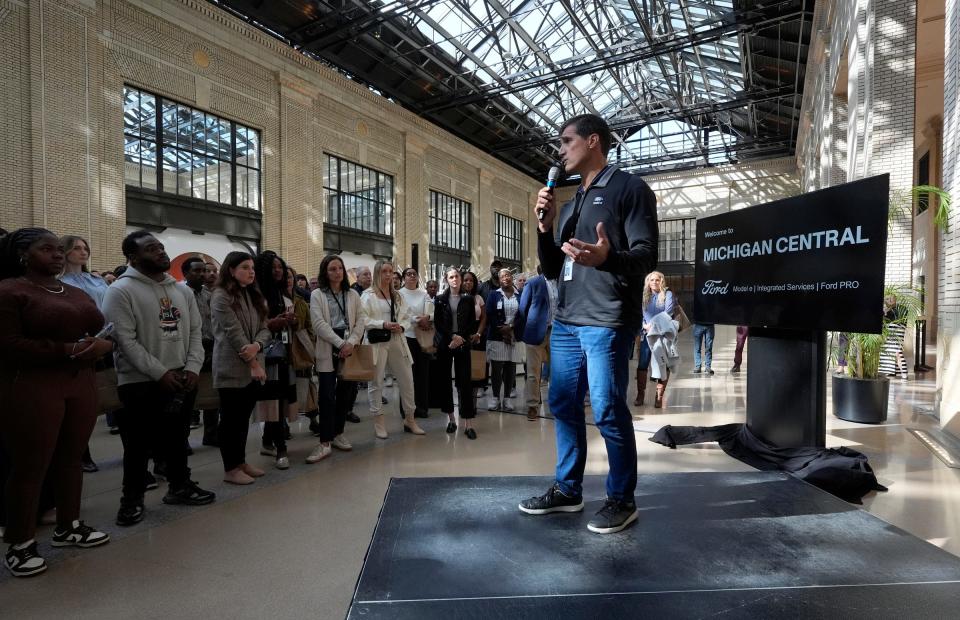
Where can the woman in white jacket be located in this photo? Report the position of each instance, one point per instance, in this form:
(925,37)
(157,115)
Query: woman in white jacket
(385,318)
(338,323)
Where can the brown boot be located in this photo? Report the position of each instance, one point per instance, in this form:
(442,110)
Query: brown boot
(641,387)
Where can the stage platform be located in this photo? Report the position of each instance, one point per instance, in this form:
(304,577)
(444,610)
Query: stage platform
(728,545)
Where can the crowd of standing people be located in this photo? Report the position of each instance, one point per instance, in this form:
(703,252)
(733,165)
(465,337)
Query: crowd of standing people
(251,336)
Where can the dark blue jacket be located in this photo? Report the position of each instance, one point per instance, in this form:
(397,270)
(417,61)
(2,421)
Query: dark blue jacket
(496,317)
(530,326)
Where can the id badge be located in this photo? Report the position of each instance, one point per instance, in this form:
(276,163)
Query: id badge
(285,337)
(567,269)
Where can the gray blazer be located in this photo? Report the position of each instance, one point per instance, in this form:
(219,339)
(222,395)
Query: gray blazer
(232,330)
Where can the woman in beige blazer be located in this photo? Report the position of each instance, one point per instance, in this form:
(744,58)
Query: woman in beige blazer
(338,324)
(383,309)
(238,314)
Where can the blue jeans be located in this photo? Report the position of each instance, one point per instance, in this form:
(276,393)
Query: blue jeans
(704,334)
(598,357)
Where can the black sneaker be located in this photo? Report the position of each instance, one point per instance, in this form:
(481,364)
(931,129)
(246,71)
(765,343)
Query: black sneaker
(151,481)
(553,500)
(315,427)
(129,514)
(89,467)
(24,562)
(735,369)
(708,370)
(696,370)
(194,420)
(613,517)
(190,494)
(353,418)
(80,535)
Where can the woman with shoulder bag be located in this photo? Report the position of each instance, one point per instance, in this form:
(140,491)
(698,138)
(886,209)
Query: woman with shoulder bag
(502,307)
(471,286)
(385,317)
(238,314)
(338,324)
(278,398)
(457,329)
(302,344)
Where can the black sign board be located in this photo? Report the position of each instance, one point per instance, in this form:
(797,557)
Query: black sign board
(811,262)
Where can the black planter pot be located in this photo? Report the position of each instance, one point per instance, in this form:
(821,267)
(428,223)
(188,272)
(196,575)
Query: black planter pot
(860,400)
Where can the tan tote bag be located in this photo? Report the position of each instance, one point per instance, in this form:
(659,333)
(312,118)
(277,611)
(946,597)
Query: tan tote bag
(359,366)
(478,365)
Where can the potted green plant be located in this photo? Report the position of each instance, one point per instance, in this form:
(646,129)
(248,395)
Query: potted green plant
(859,392)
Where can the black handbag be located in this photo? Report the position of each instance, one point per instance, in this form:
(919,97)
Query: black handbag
(376,334)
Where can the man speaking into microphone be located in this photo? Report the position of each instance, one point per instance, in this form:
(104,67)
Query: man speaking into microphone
(605,244)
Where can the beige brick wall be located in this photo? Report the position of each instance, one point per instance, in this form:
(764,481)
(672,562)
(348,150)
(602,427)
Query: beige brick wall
(64,63)
(876,41)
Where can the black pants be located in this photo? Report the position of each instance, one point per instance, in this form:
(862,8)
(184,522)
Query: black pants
(421,375)
(334,399)
(149,424)
(236,404)
(503,373)
(459,359)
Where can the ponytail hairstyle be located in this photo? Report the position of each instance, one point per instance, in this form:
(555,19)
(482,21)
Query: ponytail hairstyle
(12,246)
(228,283)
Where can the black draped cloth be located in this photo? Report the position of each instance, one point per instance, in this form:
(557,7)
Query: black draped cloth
(839,471)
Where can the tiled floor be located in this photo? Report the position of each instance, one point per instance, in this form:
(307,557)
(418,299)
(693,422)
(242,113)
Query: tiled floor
(291,545)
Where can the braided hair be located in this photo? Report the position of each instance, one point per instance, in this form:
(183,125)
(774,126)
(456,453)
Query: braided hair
(11,245)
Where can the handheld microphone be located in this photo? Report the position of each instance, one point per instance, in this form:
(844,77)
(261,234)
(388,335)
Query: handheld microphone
(552,177)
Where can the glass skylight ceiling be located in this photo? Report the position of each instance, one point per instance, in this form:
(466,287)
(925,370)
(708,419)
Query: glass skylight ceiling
(511,43)
(683,83)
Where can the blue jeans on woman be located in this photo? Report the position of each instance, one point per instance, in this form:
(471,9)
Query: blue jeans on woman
(704,334)
(594,357)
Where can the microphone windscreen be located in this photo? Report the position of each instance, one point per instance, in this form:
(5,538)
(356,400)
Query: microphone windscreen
(552,176)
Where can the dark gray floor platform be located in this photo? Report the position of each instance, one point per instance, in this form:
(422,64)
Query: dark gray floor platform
(730,545)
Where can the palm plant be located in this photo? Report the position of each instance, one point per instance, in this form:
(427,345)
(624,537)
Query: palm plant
(902,203)
(862,351)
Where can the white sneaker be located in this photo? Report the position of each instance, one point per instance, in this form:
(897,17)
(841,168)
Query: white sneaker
(283,463)
(507,405)
(513,393)
(388,382)
(494,404)
(340,443)
(319,453)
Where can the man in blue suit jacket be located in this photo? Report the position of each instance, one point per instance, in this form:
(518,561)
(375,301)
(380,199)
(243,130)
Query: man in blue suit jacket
(532,327)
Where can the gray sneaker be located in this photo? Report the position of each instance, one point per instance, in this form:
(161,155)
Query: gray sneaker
(613,517)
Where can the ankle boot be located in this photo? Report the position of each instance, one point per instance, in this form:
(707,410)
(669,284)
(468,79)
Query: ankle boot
(641,387)
(378,426)
(410,424)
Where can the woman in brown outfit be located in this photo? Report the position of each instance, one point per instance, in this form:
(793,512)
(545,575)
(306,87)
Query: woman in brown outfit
(48,387)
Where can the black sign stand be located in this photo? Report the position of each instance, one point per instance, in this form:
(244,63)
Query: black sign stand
(787,387)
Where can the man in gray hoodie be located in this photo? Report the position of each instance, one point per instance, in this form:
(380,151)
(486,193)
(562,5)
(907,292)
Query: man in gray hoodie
(159,355)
